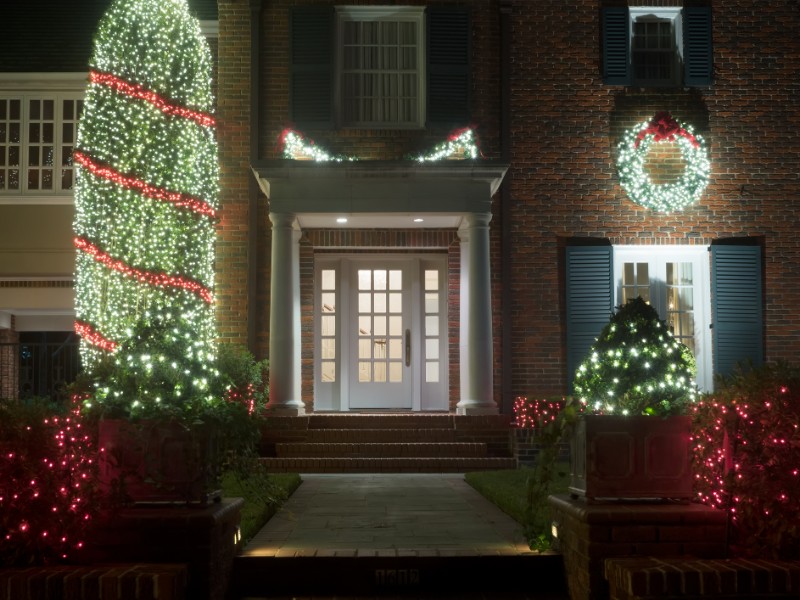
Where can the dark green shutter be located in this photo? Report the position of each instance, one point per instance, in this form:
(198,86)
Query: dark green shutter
(312,66)
(737,306)
(448,81)
(616,46)
(697,46)
(590,300)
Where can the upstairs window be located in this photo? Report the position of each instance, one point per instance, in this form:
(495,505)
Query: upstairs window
(37,137)
(381,67)
(657,46)
(656,54)
(392,67)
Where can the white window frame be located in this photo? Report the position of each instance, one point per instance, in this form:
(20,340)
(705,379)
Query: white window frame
(657,257)
(412,14)
(661,13)
(27,86)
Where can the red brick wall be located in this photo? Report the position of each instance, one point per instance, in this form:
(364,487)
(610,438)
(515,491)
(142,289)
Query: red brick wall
(9,363)
(233,112)
(565,126)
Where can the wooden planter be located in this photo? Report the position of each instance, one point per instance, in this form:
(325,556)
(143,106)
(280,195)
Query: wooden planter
(639,457)
(149,461)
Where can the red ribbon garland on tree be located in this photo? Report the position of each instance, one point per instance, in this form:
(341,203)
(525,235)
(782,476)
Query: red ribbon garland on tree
(664,128)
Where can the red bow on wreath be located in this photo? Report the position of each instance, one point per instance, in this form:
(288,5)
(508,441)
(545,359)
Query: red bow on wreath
(664,128)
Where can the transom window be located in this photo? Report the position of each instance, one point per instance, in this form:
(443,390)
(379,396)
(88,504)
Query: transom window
(656,46)
(380,66)
(37,137)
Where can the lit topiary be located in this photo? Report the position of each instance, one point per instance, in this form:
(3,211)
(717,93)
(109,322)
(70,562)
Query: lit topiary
(147,192)
(637,367)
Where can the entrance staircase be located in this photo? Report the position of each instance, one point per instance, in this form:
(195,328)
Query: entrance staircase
(387,443)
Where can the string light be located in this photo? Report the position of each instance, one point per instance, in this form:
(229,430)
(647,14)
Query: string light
(665,197)
(137,91)
(90,335)
(460,145)
(146,133)
(180,200)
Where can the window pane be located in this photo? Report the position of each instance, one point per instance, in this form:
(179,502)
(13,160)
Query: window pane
(380,325)
(364,279)
(431,279)
(379,303)
(364,372)
(395,280)
(328,348)
(364,325)
(432,326)
(432,348)
(328,279)
(380,280)
(328,372)
(431,303)
(395,302)
(379,372)
(396,372)
(432,372)
(395,348)
(395,326)
(364,302)
(328,302)
(364,348)
(328,325)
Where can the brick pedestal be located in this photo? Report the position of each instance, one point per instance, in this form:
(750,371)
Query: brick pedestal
(203,537)
(590,533)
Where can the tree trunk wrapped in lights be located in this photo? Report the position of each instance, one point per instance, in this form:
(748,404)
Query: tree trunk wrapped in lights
(147,193)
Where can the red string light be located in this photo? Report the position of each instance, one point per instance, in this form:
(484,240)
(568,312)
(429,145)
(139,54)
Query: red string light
(135,90)
(94,337)
(155,279)
(177,199)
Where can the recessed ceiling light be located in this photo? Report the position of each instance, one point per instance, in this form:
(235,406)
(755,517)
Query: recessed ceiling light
(418,220)
(341,220)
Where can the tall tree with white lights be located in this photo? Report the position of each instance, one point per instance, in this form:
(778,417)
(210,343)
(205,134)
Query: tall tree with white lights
(147,192)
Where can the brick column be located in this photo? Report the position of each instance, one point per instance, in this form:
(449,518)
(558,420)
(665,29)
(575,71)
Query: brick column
(9,364)
(233,135)
(588,534)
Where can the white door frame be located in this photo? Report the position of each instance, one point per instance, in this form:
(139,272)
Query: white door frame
(334,394)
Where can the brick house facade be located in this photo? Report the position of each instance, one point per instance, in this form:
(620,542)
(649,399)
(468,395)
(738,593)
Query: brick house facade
(549,92)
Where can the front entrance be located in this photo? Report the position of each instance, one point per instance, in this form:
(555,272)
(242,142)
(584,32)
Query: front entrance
(381,333)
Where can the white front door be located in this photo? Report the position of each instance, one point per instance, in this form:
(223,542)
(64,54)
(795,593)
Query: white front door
(381,333)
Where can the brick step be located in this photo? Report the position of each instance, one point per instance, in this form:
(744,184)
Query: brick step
(375,436)
(403,574)
(387,465)
(380,421)
(380,450)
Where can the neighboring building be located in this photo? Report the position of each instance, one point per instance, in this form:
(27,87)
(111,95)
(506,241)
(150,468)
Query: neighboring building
(520,255)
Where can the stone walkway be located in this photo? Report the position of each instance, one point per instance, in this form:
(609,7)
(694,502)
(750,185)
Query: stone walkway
(354,515)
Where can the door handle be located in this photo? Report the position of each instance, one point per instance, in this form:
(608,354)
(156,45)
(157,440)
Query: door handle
(408,347)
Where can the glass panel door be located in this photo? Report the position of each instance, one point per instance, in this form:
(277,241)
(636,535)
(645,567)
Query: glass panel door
(381,334)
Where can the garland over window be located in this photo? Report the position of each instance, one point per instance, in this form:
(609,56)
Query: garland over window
(665,197)
(460,145)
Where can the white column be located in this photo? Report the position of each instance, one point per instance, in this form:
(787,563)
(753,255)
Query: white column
(284,318)
(477,393)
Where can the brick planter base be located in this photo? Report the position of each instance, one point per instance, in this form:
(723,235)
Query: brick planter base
(203,537)
(673,579)
(588,534)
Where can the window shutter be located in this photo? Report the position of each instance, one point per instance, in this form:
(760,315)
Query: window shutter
(737,306)
(590,300)
(616,46)
(697,48)
(312,66)
(448,66)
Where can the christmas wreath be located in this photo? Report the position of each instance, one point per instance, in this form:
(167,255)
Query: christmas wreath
(665,197)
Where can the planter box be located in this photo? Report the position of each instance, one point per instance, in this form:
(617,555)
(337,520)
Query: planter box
(638,457)
(146,462)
